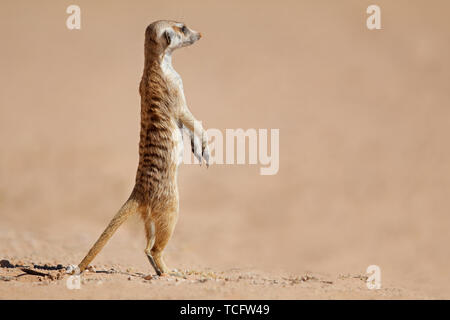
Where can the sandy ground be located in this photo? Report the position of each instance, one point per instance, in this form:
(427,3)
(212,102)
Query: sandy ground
(364,173)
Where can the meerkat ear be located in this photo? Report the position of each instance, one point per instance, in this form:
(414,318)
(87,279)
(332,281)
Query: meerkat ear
(168,35)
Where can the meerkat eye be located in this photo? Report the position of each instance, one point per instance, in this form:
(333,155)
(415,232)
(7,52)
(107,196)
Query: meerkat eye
(184,29)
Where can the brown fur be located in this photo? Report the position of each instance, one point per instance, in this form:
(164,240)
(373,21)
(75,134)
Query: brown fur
(155,194)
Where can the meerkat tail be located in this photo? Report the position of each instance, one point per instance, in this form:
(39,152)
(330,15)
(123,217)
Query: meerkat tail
(130,207)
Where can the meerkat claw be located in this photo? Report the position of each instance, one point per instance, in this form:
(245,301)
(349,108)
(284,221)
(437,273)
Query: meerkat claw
(206,156)
(195,147)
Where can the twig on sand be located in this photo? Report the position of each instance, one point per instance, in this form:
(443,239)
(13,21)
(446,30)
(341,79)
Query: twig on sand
(36,273)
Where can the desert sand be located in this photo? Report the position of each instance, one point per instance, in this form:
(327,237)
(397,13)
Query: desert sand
(364,176)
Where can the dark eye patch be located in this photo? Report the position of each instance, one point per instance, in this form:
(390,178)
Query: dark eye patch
(182,30)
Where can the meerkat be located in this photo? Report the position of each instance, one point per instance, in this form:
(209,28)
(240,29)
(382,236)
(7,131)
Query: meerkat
(164,117)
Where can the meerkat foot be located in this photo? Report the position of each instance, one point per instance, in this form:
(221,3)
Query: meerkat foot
(157,270)
(153,263)
(161,266)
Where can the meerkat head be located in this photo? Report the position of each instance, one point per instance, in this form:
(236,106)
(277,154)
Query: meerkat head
(167,36)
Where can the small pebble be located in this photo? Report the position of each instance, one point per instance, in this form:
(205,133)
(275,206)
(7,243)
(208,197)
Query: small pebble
(71,269)
(6,264)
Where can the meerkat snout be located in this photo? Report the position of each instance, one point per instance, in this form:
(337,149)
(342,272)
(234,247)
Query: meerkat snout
(186,36)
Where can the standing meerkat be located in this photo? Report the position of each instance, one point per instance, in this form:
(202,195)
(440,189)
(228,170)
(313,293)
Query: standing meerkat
(164,116)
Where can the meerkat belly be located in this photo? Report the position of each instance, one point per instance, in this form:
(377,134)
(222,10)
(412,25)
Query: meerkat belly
(178,146)
(176,83)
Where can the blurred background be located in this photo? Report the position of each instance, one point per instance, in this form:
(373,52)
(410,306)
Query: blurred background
(364,119)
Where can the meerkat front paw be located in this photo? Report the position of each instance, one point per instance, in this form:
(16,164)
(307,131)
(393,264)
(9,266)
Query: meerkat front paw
(205,149)
(195,147)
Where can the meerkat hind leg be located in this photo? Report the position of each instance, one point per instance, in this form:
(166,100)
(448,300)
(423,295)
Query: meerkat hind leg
(150,232)
(164,226)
